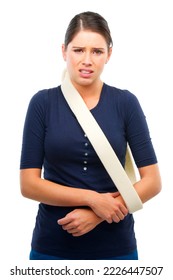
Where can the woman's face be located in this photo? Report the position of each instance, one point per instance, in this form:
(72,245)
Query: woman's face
(86,56)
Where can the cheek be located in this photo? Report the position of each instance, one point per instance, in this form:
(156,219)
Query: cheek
(71,60)
(101,63)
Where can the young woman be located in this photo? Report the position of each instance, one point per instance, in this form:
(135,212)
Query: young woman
(81,215)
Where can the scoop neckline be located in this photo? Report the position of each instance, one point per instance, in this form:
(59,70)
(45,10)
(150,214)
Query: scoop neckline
(100,99)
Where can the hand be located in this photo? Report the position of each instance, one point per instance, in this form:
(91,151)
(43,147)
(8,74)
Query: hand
(109,206)
(79,221)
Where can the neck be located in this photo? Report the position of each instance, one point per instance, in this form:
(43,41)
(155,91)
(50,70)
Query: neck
(90,91)
(90,94)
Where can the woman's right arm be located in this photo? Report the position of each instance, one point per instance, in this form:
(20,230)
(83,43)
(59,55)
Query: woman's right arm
(45,191)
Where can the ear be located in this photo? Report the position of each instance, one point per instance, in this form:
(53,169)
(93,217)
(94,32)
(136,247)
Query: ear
(64,52)
(109,55)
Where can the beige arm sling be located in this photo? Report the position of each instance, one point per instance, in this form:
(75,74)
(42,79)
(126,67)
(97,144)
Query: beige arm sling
(102,147)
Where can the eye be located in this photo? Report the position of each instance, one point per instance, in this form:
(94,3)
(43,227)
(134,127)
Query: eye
(78,50)
(97,51)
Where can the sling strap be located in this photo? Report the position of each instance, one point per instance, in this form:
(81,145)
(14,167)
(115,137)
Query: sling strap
(102,147)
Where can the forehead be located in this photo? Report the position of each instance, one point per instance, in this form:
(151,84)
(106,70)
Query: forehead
(88,38)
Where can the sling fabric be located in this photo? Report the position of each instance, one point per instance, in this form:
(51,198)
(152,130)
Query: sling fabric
(101,145)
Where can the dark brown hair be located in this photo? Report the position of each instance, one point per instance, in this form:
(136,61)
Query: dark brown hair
(88,21)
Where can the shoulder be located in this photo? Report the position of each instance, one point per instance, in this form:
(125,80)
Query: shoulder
(43,97)
(44,94)
(122,96)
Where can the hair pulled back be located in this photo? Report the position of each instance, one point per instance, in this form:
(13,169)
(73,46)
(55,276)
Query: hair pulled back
(88,21)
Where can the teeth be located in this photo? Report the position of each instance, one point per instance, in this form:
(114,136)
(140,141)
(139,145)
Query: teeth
(85,72)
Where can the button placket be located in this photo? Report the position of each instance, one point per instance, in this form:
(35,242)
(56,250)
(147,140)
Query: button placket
(85,161)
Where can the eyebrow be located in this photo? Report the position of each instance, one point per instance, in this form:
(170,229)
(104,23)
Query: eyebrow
(95,48)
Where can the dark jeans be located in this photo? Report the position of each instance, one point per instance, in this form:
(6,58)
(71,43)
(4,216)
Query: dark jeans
(34,255)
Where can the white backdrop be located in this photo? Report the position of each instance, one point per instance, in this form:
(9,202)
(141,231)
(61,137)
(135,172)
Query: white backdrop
(30,59)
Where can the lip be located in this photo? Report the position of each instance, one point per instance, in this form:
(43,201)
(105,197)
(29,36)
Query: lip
(86,73)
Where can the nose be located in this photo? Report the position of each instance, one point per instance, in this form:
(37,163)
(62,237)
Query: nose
(87,59)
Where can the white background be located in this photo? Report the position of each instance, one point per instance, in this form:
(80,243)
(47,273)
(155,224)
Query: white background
(31,35)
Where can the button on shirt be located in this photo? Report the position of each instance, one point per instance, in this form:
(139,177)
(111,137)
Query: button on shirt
(85,161)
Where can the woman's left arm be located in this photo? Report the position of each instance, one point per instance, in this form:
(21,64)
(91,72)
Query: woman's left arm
(138,137)
(150,183)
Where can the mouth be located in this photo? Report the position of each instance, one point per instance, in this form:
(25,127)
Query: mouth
(85,73)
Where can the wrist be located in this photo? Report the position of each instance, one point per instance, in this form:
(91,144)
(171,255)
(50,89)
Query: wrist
(90,198)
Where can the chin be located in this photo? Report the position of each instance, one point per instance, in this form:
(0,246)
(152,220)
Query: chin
(84,82)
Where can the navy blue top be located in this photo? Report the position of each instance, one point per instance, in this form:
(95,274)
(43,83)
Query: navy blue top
(53,140)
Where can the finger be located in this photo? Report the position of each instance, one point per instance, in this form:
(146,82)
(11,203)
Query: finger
(72,230)
(116,219)
(109,220)
(124,210)
(77,234)
(121,216)
(64,221)
(80,233)
(115,194)
(67,227)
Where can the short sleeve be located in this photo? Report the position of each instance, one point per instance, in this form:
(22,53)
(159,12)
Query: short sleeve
(138,134)
(32,154)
